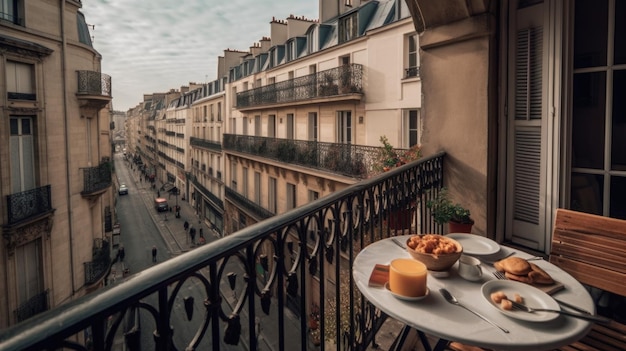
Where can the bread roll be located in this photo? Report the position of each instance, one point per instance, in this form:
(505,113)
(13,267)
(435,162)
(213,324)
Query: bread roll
(539,276)
(513,265)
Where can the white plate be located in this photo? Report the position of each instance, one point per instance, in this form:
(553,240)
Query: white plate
(532,296)
(475,244)
(406,298)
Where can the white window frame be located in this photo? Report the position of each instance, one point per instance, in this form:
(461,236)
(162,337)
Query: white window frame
(291,196)
(345,127)
(410,129)
(22,150)
(313,126)
(271,195)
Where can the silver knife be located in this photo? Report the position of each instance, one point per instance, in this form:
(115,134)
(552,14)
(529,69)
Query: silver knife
(575,308)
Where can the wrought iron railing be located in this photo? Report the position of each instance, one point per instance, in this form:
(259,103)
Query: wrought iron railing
(411,72)
(29,204)
(96,178)
(206,144)
(245,204)
(33,306)
(299,261)
(356,161)
(94,83)
(205,192)
(99,266)
(345,79)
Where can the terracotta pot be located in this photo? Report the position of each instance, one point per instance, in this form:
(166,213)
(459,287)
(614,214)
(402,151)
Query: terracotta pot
(455,227)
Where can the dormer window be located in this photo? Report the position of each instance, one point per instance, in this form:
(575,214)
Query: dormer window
(348,27)
(313,39)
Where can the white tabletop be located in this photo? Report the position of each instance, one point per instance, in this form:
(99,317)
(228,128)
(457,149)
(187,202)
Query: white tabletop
(434,316)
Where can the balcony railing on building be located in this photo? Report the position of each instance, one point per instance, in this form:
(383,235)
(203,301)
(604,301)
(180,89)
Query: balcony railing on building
(29,204)
(278,271)
(96,179)
(205,144)
(346,79)
(33,306)
(94,89)
(258,211)
(346,159)
(100,263)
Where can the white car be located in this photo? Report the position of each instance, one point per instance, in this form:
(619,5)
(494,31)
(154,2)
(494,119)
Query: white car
(123,190)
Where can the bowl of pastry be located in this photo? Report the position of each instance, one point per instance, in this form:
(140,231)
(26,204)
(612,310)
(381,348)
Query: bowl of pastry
(437,252)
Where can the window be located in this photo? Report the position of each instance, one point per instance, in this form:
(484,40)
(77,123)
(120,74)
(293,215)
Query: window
(22,148)
(29,275)
(290,126)
(313,126)
(219,109)
(257,188)
(257,125)
(271,195)
(348,27)
(233,175)
(271,126)
(291,50)
(244,181)
(245,126)
(313,195)
(344,127)
(212,113)
(291,196)
(412,68)
(313,39)
(9,11)
(20,80)
(412,127)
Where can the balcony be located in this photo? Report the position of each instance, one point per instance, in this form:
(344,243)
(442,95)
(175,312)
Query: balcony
(96,269)
(344,82)
(257,211)
(96,180)
(94,89)
(34,306)
(282,262)
(29,204)
(205,144)
(346,159)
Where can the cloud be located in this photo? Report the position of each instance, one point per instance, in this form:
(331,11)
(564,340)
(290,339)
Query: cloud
(150,46)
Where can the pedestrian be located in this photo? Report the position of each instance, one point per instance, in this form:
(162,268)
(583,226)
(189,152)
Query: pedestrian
(201,233)
(121,253)
(186,225)
(154,253)
(192,234)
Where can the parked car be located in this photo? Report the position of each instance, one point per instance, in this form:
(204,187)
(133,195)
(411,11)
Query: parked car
(123,190)
(160,204)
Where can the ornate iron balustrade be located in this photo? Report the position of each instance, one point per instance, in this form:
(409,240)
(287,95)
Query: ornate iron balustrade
(97,268)
(346,159)
(205,192)
(206,144)
(411,72)
(346,79)
(32,307)
(96,178)
(28,204)
(94,83)
(284,262)
(243,202)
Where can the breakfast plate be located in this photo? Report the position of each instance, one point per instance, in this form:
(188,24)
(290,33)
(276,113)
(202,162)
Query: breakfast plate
(532,297)
(406,298)
(475,244)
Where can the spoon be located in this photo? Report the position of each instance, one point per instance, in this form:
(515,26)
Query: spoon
(451,299)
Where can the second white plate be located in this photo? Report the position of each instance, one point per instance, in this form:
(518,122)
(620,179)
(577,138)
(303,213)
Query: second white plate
(532,296)
(475,244)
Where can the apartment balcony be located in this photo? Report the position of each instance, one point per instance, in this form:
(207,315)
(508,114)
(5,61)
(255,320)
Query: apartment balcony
(340,83)
(257,211)
(205,144)
(272,268)
(346,159)
(97,268)
(34,306)
(94,89)
(29,204)
(96,180)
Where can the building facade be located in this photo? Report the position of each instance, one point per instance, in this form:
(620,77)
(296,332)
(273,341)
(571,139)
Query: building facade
(56,159)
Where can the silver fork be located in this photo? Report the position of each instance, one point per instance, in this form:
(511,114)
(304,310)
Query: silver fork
(589,317)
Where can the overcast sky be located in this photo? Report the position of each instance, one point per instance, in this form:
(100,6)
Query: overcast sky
(150,46)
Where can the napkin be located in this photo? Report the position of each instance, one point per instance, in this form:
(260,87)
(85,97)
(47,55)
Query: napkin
(379,276)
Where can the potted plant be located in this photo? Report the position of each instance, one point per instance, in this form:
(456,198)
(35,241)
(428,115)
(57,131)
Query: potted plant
(389,158)
(445,211)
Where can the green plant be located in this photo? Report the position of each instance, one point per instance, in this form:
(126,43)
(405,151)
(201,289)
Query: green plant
(389,157)
(444,210)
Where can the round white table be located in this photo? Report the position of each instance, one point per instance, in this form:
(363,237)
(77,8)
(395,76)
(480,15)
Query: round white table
(434,316)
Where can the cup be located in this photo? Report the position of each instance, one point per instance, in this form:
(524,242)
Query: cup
(469,268)
(407,277)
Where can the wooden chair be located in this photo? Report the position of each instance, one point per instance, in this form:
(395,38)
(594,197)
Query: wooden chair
(593,250)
